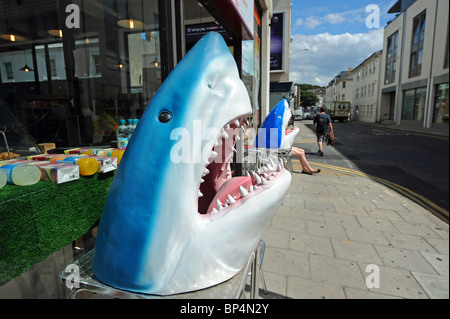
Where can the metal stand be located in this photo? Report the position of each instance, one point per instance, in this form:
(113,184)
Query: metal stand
(6,141)
(78,277)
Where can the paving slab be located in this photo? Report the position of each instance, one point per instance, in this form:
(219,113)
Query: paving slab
(436,287)
(335,232)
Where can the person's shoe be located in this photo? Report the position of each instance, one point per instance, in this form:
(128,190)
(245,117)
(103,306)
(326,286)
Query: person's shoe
(318,171)
(307,173)
(321,153)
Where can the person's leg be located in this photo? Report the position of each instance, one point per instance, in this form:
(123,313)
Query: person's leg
(300,154)
(320,139)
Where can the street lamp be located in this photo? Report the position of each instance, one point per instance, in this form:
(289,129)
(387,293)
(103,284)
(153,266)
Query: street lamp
(292,53)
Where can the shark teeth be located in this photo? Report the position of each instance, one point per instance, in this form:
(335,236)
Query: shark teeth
(223,151)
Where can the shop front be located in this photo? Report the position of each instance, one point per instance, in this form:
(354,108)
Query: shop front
(70,70)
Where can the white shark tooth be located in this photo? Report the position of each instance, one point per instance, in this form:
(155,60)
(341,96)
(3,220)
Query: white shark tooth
(219,141)
(213,154)
(202,180)
(205,172)
(255,187)
(224,135)
(219,205)
(237,123)
(243,128)
(227,126)
(248,174)
(279,168)
(231,200)
(214,211)
(246,122)
(258,179)
(250,189)
(237,138)
(272,163)
(265,175)
(264,181)
(233,150)
(273,173)
(243,191)
(200,194)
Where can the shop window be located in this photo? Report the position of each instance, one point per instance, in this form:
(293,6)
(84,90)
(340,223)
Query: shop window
(441,112)
(414,104)
(418,37)
(79,82)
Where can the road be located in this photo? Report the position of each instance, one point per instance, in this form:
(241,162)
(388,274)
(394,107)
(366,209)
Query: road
(413,164)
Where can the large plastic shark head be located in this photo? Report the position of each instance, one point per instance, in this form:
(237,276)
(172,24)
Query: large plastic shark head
(273,133)
(175,220)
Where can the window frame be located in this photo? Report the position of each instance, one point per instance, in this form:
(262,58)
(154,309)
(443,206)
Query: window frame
(417,44)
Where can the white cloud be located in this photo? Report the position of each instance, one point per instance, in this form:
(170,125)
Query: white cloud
(329,54)
(335,18)
(310,22)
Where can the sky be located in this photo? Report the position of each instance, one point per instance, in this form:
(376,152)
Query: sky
(337,36)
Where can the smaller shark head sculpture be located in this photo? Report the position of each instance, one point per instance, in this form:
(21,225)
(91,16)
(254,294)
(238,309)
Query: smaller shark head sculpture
(174,224)
(273,133)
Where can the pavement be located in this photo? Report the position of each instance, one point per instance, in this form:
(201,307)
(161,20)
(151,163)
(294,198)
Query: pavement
(339,235)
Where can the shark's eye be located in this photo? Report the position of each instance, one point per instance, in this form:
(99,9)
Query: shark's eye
(165,116)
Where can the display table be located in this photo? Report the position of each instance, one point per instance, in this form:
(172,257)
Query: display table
(38,220)
(78,277)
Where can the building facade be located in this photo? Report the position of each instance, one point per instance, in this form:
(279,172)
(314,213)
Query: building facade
(366,81)
(340,88)
(70,70)
(415,65)
(280,39)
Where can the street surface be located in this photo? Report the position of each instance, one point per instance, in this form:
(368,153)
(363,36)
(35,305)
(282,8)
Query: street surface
(415,165)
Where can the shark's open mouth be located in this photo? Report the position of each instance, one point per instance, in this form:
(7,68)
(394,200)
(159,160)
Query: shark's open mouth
(219,191)
(152,237)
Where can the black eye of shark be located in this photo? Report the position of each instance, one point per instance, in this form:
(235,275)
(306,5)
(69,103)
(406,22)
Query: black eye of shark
(165,116)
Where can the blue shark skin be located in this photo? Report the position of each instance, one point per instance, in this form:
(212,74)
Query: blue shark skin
(152,238)
(273,134)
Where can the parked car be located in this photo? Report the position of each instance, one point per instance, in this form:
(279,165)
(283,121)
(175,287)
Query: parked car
(298,115)
(308,116)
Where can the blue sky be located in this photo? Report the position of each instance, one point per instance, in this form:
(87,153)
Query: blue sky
(336,34)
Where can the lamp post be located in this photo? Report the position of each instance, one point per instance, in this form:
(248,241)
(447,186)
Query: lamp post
(292,53)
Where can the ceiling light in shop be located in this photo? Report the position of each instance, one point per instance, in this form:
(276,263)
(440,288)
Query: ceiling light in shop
(11,37)
(26,68)
(55,32)
(130,23)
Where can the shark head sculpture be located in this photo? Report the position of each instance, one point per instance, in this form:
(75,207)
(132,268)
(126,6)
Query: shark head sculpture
(175,220)
(273,133)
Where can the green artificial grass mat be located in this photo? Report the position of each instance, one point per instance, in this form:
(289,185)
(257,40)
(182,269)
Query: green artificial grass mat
(38,220)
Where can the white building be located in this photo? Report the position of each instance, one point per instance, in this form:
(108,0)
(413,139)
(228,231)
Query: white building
(365,89)
(340,88)
(415,65)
